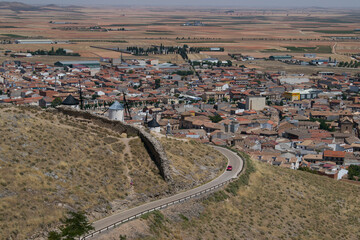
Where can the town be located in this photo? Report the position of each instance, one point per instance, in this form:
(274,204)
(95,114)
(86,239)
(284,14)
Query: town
(305,122)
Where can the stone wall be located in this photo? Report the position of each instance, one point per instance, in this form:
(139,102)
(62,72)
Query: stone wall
(152,145)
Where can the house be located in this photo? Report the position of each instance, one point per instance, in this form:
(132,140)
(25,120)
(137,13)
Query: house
(334,156)
(346,125)
(313,158)
(45,102)
(256,103)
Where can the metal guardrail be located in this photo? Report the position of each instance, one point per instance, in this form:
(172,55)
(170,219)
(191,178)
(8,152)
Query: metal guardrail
(90,235)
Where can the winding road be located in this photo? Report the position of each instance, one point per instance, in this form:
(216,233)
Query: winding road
(109,222)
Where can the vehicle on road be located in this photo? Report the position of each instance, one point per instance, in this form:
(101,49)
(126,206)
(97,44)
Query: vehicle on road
(229,168)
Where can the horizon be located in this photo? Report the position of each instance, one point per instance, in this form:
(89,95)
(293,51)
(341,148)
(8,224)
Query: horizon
(282,4)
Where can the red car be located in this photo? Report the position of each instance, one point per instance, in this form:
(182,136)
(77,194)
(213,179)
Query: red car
(229,168)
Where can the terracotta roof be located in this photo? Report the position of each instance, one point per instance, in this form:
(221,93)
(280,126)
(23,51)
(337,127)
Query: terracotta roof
(334,154)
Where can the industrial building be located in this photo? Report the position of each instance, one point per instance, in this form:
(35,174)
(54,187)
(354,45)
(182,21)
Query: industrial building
(34,41)
(299,94)
(281,58)
(71,64)
(293,80)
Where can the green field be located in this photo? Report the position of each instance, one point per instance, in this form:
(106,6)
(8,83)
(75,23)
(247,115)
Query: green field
(98,40)
(205,41)
(14,36)
(8,27)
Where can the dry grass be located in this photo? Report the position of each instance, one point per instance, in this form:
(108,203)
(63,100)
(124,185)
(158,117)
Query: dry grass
(81,168)
(144,172)
(278,204)
(192,162)
(51,163)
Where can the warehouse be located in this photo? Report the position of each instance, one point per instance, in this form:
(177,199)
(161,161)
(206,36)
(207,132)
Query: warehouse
(280,58)
(71,64)
(34,41)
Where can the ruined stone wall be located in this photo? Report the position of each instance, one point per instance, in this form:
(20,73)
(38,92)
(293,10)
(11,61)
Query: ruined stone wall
(152,145)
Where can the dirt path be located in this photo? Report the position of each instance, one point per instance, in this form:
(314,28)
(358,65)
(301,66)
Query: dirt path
(334,49)
(128,155)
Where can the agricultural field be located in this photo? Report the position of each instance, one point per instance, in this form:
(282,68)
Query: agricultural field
(250,32)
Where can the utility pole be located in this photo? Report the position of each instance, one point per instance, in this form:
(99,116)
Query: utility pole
(81,98)
(127,108)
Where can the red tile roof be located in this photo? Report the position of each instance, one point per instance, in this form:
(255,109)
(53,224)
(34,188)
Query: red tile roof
(334,154)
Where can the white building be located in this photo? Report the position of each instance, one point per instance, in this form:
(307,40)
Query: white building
(116,111)
(256,103)
(34,41)
(294,80)
(21,55)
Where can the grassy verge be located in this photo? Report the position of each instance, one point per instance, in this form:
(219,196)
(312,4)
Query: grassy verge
(243,179)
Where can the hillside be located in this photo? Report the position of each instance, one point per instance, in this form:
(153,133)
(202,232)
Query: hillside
(278,203)
(51,163)
(20,6)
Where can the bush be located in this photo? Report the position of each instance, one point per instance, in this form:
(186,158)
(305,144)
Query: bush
(74,226)
(354,172)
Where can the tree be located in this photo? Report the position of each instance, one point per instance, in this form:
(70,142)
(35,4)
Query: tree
(354,171)
(74,226)
(344,97)
(229,63)
(54,236)
(216,118)
(157,83)
(56,102)
(211,101)
(307,169)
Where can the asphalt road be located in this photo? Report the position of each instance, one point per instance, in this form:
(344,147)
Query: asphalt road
(234,160)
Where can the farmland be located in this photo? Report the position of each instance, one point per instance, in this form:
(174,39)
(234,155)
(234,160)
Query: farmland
(248,31)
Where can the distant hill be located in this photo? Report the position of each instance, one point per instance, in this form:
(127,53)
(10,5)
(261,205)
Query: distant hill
(19,6)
